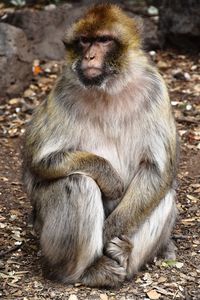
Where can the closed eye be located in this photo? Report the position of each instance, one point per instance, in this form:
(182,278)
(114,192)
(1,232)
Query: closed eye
(84,40)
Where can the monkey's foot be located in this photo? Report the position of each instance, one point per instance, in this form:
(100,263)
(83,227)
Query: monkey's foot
(105,272)
(119,249)
(169,252)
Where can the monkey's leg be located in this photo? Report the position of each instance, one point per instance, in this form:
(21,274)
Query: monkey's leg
(153,234)
(71,236)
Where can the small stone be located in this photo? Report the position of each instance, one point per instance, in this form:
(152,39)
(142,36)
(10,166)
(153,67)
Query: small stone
(2,225)
(14,101)
(77,284)
(73,297)
(50,7)
(179,265)
(103,297)
(152,53)
(152,10)
(52,294)
(188,106)
(194,67)
(29,93)
(187,76)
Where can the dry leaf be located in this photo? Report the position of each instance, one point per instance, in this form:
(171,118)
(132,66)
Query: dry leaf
(162,279)
(153,295)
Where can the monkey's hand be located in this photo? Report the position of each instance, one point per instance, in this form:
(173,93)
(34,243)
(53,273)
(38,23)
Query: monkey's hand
(119,249)
(112,229)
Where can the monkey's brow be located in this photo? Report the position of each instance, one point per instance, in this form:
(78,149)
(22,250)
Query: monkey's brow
(97,38)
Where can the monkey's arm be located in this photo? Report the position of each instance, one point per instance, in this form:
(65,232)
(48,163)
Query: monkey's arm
(62,164)
(144,193)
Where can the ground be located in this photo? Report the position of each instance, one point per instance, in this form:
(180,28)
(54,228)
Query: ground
(20,269)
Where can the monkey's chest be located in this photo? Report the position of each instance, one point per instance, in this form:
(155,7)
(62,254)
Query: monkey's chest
(118,151)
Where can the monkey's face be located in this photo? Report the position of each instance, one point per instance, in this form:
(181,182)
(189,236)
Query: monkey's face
(96,56)
(99,45)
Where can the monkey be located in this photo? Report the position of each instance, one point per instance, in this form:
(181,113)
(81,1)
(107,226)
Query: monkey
(100,156)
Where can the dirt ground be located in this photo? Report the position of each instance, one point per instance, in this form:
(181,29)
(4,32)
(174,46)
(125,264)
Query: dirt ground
(20,269)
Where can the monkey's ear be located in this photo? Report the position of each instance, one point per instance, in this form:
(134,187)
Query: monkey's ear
(68,43)
(65,43)
(139,25)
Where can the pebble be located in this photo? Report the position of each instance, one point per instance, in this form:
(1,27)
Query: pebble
(103,297)
(187,76)
(73,297)
(152,10)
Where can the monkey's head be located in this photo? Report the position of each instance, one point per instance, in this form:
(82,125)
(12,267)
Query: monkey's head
(100,44)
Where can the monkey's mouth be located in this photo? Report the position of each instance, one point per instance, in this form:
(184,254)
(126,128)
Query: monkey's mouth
(91,76)
(92,72)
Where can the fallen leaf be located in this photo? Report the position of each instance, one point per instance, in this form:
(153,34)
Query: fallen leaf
(169,263)
(153,295)
(194,199)
(162,279)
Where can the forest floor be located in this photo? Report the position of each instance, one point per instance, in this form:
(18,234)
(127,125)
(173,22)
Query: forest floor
(20,268)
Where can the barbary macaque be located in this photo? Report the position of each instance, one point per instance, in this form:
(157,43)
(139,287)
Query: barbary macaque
(100,156)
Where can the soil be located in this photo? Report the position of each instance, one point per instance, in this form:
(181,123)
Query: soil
(20,265)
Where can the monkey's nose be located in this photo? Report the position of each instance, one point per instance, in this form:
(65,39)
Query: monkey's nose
(90,57)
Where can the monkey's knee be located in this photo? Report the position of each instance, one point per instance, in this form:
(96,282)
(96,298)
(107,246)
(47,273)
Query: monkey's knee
(71,237)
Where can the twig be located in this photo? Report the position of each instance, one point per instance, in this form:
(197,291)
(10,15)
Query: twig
(174,296)
(187,120)
(12,249)
(180,237)
(191,264)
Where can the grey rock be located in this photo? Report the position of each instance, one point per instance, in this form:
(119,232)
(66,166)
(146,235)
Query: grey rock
(15,60)
(179,24)
(45,29)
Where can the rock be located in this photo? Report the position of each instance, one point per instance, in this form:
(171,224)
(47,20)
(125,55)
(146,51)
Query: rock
(150,33)
(15,60)
(45,29)
(179,24)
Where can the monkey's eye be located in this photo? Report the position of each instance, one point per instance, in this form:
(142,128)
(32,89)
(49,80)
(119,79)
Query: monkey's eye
(105,39)
(85,41)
